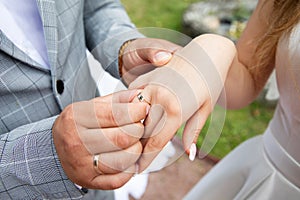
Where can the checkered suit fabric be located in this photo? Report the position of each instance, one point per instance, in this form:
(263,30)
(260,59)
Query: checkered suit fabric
(30,101)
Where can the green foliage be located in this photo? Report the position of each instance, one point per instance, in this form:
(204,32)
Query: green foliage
(157,13)
(241,13)
(241,125)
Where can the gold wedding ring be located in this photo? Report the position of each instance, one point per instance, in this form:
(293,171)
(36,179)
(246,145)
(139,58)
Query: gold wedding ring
(96,163)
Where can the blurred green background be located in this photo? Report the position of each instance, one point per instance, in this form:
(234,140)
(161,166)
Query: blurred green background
(239,124)
(157,13)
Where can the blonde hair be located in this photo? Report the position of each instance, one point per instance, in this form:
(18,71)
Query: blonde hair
(285,16)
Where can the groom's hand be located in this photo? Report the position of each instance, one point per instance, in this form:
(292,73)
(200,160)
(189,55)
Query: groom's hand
(143,55)
(107,128)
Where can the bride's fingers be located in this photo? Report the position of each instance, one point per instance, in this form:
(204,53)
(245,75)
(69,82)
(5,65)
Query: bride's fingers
(193,128)
(157,114)
(154,144)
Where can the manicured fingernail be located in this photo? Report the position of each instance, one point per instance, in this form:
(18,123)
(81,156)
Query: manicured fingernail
(162,56)
(193,151)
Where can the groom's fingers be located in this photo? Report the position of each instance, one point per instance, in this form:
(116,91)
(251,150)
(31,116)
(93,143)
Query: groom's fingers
(124,96)
(94,114)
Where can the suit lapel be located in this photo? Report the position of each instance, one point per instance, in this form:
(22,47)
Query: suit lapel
(48,15)
(7,46)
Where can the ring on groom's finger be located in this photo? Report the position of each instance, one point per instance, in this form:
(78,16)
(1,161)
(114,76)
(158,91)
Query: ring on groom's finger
(96,163)
(141,98)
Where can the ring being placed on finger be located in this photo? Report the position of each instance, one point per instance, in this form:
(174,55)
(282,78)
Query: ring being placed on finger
(141,98)
(96,163)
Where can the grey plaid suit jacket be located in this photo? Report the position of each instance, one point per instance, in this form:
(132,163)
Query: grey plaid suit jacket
(31,97)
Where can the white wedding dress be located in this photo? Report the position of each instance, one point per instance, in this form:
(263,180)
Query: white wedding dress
(268,166)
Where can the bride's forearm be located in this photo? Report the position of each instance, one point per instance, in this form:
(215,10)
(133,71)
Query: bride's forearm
(225,71)
(220,50)
(211,57)
(239,89)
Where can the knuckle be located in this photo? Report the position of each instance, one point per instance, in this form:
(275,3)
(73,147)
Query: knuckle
(173,108)
(105,113)
(72,145)
(161,92)
(135,150)
(109,117)
(116,115)
(116,164)
(67,115)
(65,129)
(169,99)
(128,135)
(122,140)
(154,144)
(135,130)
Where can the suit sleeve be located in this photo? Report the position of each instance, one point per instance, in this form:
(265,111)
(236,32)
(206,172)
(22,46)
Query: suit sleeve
(107,27)
(29,166)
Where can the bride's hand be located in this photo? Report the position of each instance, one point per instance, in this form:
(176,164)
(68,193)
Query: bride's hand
(185,90)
